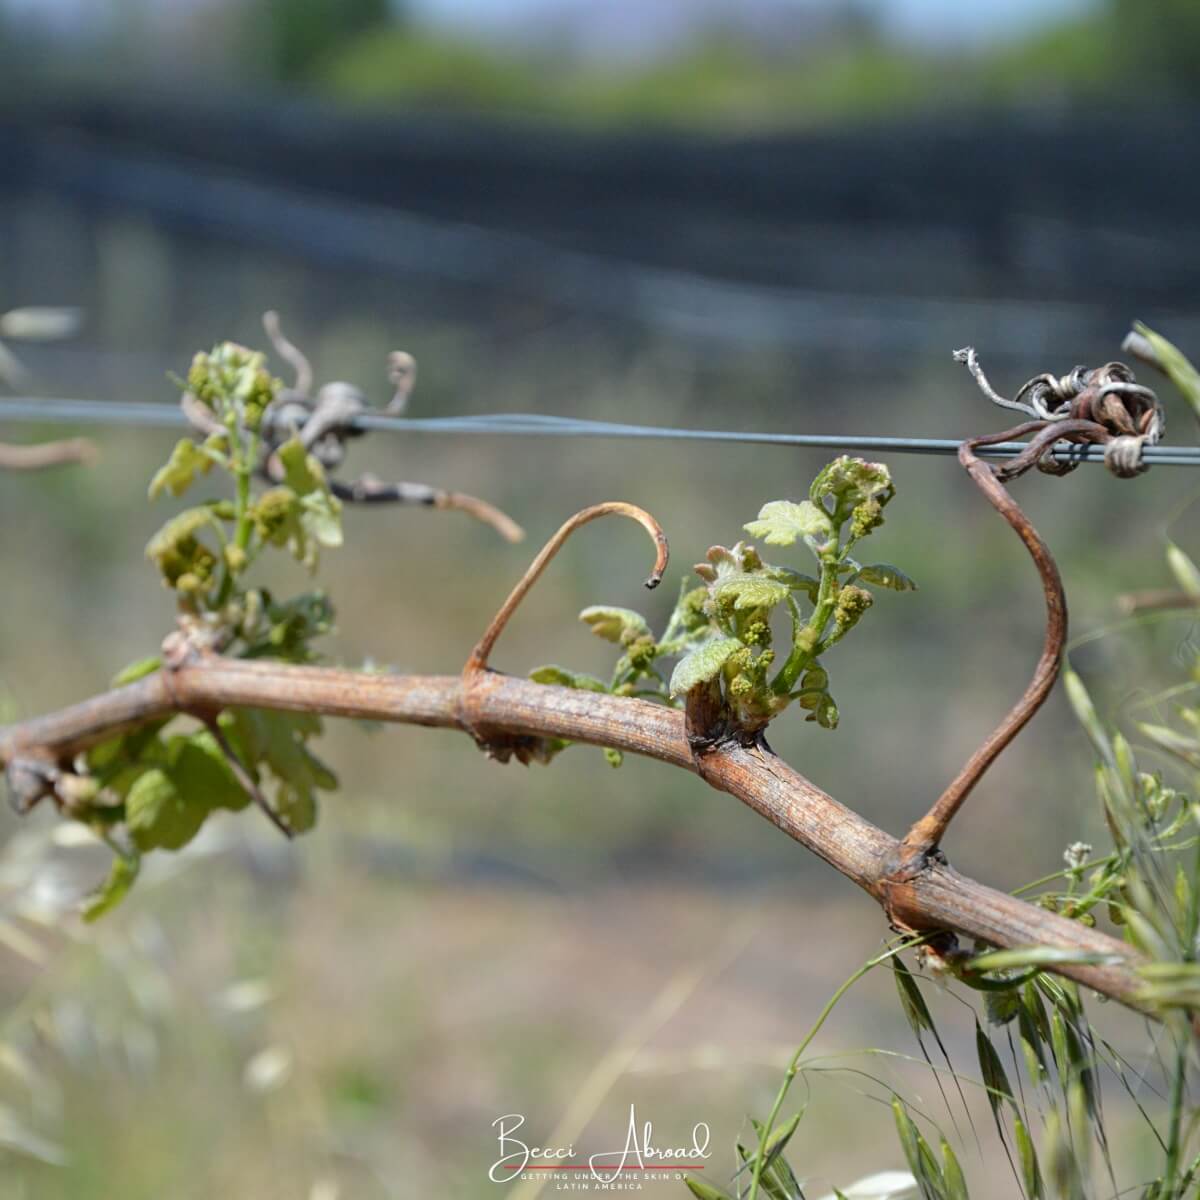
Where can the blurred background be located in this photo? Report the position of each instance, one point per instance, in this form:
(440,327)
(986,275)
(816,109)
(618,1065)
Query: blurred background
(762,215)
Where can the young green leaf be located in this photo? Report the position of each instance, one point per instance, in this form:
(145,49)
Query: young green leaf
(301,471)
(278,741)
(321,516)
(1001,1005)
(186,462)
(885,575)
(850,481)
(112,891)
(619,625)
(781,522)
(561,677)
(158,815)
(795,580)
(179,530)
(319,511)
(751,591)
(702,664)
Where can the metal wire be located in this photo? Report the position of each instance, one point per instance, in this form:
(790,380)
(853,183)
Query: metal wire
(169,416)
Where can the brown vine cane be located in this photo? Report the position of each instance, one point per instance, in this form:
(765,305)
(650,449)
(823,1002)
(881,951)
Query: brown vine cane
(1101,407)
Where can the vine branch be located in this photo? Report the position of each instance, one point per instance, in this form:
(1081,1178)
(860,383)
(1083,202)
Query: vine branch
(40,455)
(935,898)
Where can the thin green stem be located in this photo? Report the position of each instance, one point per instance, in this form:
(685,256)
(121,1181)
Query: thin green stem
(1175,1124)
(794,1065)
(245,527)
(243,465)
(806,643)
(1175,1143)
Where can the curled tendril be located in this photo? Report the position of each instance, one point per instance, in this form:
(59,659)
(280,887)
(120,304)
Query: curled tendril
(1102,407)
(478,660)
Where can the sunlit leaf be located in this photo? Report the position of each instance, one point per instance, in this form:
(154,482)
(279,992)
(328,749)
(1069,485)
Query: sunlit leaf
(781,522)
(702,664)
(850,481)
(751,591)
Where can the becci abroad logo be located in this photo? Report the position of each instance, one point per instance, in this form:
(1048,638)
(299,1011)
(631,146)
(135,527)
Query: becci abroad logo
(638,1161)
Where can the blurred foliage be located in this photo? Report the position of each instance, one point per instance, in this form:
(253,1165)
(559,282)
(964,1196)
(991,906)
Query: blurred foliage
(299,37)
(715,81)
(726,79)
(832,63)
(1157,42)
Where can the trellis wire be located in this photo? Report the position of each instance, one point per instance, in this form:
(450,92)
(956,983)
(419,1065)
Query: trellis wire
(169,416)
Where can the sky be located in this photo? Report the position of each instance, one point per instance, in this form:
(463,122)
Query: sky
(622,26)
(927,22)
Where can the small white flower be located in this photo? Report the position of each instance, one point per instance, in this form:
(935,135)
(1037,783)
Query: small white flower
(245,995)
(1076,854)
(268,1069)
(883,1185)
